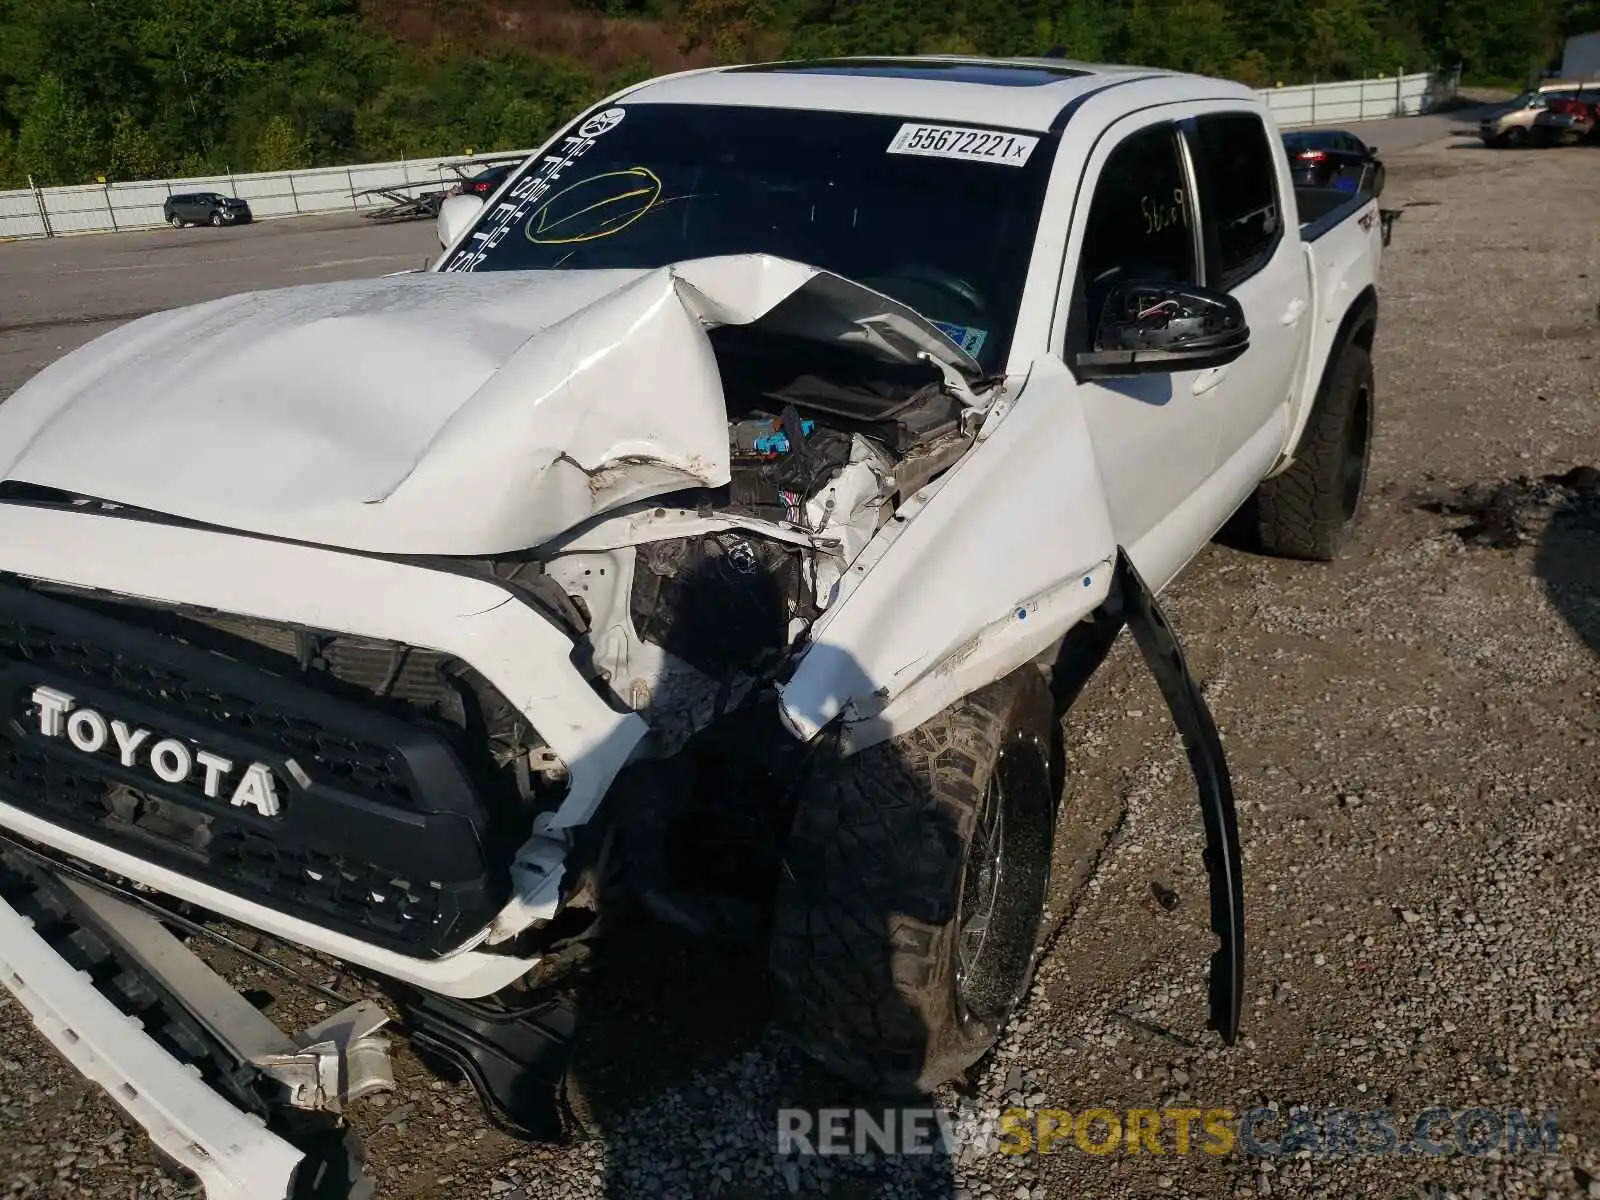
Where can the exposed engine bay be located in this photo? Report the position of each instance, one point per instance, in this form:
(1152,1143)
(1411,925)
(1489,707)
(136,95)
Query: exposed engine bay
(693,598)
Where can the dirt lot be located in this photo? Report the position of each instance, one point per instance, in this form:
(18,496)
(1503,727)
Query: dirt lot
(1415,741)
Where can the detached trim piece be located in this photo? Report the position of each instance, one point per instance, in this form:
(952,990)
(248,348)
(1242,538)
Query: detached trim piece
(234,1157)
(1133,602)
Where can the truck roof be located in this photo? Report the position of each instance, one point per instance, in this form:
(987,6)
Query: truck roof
(1021,93)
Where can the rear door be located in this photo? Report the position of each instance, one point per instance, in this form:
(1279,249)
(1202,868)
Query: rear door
(1245,206)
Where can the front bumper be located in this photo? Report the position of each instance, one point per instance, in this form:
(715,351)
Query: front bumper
(234,1157)
(521,652)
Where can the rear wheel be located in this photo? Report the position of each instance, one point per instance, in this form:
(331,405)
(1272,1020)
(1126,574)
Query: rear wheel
(1309,511)
(908,915)
(175,221)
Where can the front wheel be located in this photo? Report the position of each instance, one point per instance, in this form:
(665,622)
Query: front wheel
(908,912)
(1515,138)
(1309,511)
(216,219)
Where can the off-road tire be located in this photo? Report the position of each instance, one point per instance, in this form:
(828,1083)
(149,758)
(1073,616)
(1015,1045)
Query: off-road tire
(866,945)
(1310,510)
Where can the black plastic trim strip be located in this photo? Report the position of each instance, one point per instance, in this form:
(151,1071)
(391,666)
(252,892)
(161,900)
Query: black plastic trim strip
(1134,603)
(1335,216)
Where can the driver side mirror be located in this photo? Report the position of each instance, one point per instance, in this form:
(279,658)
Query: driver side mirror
(455,214)
(1157,328)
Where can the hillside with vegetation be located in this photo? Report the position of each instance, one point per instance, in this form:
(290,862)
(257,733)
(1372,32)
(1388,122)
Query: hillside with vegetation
(130,89)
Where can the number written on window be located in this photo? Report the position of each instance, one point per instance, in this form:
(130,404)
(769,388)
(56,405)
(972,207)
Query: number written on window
(1160,213)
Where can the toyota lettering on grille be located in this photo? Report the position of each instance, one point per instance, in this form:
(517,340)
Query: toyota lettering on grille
(167,758)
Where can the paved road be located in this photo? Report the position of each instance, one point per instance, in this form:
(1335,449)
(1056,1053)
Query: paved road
(1404,133)
(58,293)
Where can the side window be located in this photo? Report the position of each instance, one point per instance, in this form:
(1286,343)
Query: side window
(1140,226)
(1238,196)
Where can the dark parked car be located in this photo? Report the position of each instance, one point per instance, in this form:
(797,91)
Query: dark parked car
(1331,158)
(204,208)
(485,183)
(1566,119)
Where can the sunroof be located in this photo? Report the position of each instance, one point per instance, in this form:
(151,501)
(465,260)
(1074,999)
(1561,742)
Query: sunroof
(995,74)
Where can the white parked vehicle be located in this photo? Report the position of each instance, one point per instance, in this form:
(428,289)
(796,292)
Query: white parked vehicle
(778,450)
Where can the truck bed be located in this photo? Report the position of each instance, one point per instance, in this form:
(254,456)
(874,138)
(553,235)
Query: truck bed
(1321,209)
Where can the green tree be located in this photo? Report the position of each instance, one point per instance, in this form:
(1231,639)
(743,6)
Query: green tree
(1343,43)
(281,147)
(131,86)
(57,142)
(1083,27)
(730,27)
(132,153)
(1188,35)
(11,173)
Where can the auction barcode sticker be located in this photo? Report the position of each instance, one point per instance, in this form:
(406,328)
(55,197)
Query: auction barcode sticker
(973,145)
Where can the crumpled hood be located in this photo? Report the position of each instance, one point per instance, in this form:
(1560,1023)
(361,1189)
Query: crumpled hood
(428,413)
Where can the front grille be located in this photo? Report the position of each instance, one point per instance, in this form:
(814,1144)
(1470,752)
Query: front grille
(365,767)
(380,832)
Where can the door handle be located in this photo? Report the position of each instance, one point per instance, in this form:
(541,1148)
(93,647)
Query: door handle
(1207,380)
(1291,315)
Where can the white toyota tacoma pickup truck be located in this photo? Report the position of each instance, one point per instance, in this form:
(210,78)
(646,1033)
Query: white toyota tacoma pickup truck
(724,522)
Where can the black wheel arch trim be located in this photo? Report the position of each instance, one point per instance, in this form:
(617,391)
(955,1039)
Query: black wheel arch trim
(1359,327)
(1133,606)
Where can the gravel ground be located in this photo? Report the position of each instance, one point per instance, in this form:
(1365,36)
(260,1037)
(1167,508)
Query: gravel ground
(1413,735)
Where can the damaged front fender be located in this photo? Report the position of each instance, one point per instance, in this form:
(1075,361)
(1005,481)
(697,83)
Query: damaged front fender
(980,571)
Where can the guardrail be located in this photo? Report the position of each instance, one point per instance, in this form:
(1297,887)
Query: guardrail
(102,208)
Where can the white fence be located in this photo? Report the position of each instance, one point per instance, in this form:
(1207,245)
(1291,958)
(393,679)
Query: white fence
(95,208)
(1360,99)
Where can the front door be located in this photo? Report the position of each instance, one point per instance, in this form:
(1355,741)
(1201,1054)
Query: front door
(1155,436)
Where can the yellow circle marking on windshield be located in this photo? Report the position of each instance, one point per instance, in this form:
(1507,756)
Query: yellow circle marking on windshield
(611,202)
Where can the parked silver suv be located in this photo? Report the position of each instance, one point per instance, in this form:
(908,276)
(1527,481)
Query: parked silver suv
(1513,125)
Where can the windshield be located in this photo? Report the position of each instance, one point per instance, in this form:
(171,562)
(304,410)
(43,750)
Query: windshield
(941,219)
